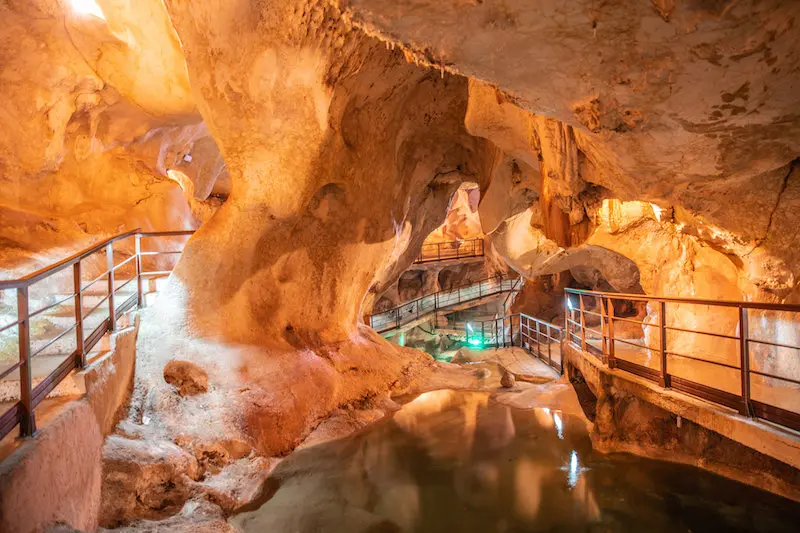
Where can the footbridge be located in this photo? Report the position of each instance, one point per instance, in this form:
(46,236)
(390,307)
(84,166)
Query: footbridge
(419,310)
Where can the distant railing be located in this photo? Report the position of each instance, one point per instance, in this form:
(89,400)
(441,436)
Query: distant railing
(443,251)
(419,308)
(113,301)
(739,369)
(537,337)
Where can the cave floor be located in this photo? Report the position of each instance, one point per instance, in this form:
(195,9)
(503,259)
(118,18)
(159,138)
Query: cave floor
(515,360)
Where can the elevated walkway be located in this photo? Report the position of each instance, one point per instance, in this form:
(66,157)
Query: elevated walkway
(417,311)
(433,252)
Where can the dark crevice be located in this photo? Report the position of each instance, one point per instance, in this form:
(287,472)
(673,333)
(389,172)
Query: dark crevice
(784,186)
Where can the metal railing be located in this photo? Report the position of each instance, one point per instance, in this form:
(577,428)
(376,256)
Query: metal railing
(736,366)
(426,305)
(539,338)
(113,300)
(443,251)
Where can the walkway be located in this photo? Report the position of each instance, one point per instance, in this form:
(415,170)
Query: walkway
(48,331)
(421,309)
(749,364)
(444,251)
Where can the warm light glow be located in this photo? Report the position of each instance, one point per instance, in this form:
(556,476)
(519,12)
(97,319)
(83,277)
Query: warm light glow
(559,425)
(87,7)
(657,211)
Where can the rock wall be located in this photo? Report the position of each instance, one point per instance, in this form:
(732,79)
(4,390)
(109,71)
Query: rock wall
(95,112)
(634,417)
(57,475)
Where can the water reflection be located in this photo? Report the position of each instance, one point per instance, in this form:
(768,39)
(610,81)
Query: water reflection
(455,461)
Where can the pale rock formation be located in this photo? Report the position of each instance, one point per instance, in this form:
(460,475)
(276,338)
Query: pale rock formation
(144,479)
(646,147)
(96,110)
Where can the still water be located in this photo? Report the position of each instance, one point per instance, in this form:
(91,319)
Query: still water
(460,462)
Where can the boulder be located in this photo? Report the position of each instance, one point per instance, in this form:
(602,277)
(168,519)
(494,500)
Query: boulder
(187,377)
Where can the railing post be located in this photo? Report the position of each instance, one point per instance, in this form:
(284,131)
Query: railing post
(139,285)
(511,330)
(78,302)
(549,346)
(612,362)
(112,313)
(744,354)
(603,332)
(397,318)
(583,324)
(27,424)
(662,306)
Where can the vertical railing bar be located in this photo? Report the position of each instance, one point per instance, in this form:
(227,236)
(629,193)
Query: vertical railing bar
(27,425)
(611,344)
(662,312)
(78,302)
(112,314)
(744,355)
(603,332)
(139,283)
(583,325)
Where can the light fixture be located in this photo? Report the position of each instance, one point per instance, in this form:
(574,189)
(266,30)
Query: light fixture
(87,7)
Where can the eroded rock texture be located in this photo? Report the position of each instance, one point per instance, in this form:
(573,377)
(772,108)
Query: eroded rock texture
(640,147)
(95,113)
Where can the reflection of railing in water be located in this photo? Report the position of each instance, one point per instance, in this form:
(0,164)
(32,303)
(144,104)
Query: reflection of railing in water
(429,304)
(22,412)
(751,388)
(443,251)
(538,337)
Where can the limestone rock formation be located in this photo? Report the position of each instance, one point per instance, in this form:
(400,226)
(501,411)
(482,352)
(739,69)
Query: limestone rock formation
(144,479)
(186,376)
(646,147)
